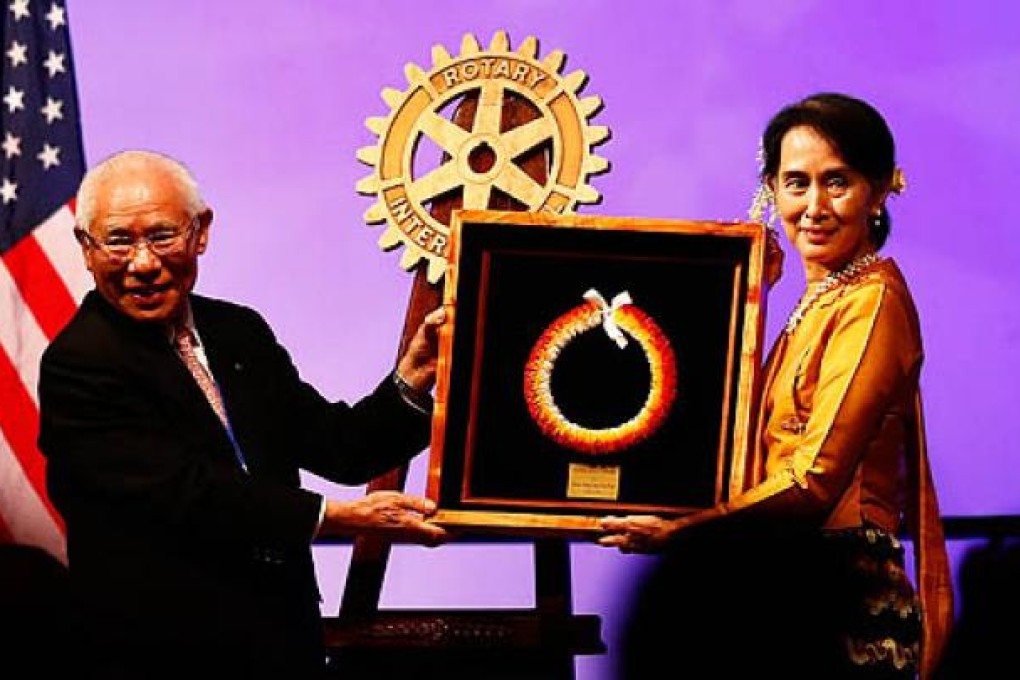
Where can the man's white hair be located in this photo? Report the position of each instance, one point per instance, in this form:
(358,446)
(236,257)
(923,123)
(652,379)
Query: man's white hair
(85,208)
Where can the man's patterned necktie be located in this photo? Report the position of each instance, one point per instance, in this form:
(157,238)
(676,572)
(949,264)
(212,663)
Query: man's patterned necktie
(184,341)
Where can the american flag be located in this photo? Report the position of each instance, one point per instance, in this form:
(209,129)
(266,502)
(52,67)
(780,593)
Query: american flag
(42,278)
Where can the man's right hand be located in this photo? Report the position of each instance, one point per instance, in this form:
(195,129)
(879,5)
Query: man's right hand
(391,515)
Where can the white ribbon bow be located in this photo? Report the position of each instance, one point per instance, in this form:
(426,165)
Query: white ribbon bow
(608,322)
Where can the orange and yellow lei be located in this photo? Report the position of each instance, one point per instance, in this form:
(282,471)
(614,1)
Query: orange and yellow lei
(620,314)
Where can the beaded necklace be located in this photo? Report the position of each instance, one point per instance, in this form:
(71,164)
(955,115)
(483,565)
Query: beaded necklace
(840,277)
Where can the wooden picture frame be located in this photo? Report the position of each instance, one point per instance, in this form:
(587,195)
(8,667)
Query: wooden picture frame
(543,423)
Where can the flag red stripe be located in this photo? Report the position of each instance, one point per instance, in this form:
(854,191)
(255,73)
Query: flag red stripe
(19,421)
(41,286)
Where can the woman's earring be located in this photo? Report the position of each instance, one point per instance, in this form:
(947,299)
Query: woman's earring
(763,207)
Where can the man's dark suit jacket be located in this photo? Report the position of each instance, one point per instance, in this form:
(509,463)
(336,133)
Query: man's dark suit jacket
(180,560)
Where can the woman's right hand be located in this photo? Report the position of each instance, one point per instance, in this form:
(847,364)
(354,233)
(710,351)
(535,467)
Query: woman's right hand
(637,533)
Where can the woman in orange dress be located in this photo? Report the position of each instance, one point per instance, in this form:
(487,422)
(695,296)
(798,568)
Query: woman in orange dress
(839,423)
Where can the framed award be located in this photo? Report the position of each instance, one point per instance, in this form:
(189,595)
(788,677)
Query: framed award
(593,365)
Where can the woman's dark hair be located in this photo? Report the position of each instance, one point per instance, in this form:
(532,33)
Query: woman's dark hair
(857,131)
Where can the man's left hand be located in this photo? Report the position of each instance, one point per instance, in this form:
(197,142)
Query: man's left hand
(417,367)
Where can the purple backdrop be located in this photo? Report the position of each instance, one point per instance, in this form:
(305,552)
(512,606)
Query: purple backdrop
(266,102)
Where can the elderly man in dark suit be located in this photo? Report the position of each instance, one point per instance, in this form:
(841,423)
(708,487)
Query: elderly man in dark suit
(174,426)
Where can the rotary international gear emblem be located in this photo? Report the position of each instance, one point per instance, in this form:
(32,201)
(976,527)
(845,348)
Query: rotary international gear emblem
(481,159)
(615,317)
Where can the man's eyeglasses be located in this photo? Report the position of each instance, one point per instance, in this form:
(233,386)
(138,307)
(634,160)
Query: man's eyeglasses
(121,248)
